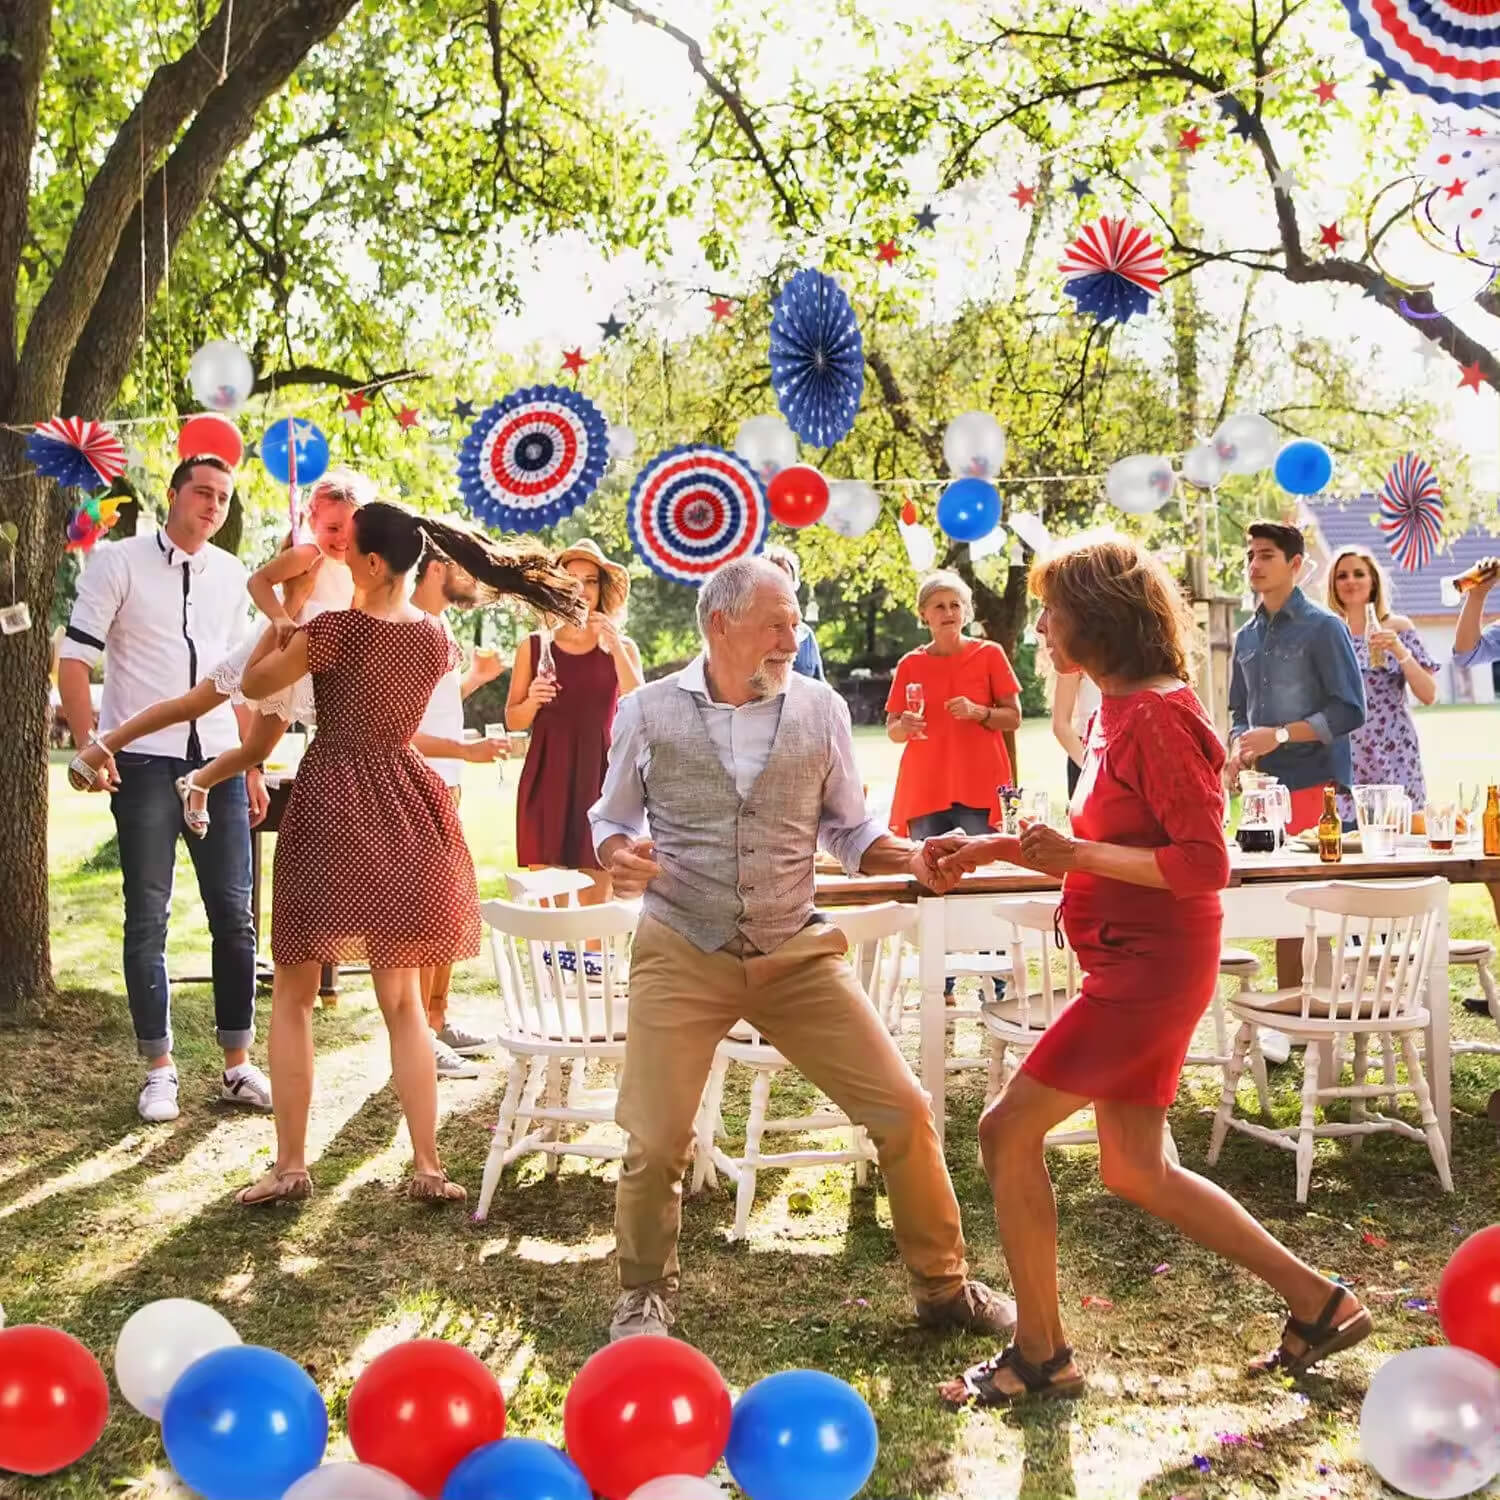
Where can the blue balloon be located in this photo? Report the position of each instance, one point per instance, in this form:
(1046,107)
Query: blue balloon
(802,1435)
(969,509)
(243,1423)
(517,1469)
(282,439)
(1303,467)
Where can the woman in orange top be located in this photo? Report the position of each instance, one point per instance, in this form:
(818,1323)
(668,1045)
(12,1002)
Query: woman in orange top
(955,760)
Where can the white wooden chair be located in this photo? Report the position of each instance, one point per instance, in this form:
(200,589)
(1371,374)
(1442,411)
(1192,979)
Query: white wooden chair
(876,935)
(546,887)
(553,1017)
(1380,993)
(1479,953)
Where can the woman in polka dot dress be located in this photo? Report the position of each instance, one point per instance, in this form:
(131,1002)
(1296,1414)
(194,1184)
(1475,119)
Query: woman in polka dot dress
(371,864)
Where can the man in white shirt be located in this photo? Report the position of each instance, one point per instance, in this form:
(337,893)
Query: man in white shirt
(442,584)
(161,610)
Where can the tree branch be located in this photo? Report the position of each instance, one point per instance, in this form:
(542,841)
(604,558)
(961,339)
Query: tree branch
(276,380)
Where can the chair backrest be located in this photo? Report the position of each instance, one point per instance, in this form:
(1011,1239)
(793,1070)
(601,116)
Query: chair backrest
(550,887)
(542,962)
(1044,977)
(877,935)
(1390,925)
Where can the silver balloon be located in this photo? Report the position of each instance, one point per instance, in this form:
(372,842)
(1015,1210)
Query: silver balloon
(853,507)
(622,443)
(221,376)
(1202,467)
(974,444)
(679,1487)
(1247,443)
(350,1482)
(1139,484)
(767,444)
(1430,1424)
(159,1341)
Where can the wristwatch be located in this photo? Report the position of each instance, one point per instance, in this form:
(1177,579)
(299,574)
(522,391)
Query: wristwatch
(1283,734)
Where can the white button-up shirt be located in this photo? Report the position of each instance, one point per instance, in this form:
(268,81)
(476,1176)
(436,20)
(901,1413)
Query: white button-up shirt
(444,718)
(742,735)
(162,619)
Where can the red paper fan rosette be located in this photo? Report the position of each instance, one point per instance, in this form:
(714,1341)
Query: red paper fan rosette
(1411,512)
(693,509)
(76,451)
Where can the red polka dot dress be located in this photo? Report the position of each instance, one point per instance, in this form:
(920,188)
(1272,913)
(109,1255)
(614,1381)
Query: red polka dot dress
(371,863)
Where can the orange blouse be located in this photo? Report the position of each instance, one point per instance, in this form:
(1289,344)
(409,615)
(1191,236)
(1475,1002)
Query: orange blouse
(959,760)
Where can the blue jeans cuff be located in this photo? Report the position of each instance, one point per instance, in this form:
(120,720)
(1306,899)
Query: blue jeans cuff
(151,1050)
(234,1041)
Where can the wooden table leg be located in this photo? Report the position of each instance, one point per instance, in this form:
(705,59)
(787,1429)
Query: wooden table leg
(328,986)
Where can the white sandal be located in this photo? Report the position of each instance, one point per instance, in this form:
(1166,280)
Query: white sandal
(83,777)
(196,818)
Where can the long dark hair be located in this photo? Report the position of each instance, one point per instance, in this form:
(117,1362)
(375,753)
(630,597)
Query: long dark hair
(399,536)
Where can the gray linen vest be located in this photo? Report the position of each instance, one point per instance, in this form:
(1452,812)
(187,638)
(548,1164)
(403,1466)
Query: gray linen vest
(732,865)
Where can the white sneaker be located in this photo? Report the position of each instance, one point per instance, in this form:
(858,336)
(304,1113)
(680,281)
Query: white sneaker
(158,1099)
(247,1085)
(462,1042)
(449,1063)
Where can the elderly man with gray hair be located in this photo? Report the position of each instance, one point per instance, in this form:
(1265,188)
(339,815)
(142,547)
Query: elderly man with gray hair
(743,769)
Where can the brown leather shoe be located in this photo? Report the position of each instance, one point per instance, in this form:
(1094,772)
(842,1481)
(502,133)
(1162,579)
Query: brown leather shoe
(974,1308)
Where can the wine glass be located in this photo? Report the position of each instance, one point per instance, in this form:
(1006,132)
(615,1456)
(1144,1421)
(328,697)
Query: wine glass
(497,732)
(916,703)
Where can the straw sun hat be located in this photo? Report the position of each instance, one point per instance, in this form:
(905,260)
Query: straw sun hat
(614,581)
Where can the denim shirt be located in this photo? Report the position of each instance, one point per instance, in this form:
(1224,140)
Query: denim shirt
(1485,649)
(1298,663)
(809,660)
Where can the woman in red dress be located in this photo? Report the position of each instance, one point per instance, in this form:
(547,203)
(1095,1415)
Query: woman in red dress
(1141,874)
(371,864)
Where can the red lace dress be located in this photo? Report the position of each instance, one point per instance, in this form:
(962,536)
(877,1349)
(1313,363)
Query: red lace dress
(1151,780)
(371,863)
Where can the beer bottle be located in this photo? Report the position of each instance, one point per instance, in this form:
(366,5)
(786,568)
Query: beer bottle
(1492,823)
(1330,830)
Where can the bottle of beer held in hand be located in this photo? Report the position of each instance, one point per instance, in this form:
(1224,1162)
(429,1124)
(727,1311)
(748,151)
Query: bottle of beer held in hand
(1330,830)
(1491,824)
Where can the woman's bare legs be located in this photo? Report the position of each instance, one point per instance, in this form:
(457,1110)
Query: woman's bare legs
(413,1067)
(597,893)
(290,1052)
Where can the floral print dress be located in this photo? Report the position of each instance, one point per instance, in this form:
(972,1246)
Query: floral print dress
(1386,749)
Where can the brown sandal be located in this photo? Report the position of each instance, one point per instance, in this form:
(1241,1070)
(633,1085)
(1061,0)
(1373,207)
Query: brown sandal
(275,1187)
(1320,1339)
(1036,1380)
(434,1187)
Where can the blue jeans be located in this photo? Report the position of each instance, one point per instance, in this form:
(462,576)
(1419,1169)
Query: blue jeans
(957,819)
(148,819)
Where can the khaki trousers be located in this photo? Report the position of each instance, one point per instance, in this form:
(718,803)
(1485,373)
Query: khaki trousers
(805,1001)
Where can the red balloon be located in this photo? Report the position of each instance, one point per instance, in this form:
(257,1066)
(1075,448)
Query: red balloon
(797,495)
(54,1400)
(422,1407)
(1469,1295)
(208,432)
(644,1408)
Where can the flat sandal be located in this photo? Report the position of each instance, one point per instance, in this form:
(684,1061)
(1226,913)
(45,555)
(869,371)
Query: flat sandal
(1036,1380)
(1320,1339)
(286,1187)
(434,1187)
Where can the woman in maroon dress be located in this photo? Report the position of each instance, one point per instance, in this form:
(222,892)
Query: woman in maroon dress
(1141,874)
(564,688)
(371,864)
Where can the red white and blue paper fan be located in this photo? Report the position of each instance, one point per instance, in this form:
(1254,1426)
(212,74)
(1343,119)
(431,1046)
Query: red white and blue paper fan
(1114,270)
(533,458)
(817,358)
(693,509)
(75,451)
(1411,512)
(1446,49)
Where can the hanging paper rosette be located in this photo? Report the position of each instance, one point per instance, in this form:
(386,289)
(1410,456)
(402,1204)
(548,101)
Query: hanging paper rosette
(1114,270)
(817,358)
(694,509)
(1446,49)
(75,451)
(1411,512)
(533,458)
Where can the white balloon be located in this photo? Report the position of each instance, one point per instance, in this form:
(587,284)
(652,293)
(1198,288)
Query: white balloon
(921,550)
(1032,530)
(621,443)
(1430,1423)
(1139,484)
(853,507)
(974,444)
(350,1482)
(767,444)
(159,1341)
(221,376)
(1202,467)
(676,1487)
(1247,443)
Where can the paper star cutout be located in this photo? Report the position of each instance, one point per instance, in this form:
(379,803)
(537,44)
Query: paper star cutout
(1024,196)
(970,192)
(1443,126)
(407,417)
(573,361)
(1472,377)
(721,308)
(927,219)
(252,448)
(356,404)
(1286,180)
(1475,130)
(1380,84)
(1431,352)
(1244,125)
(1189,139)
(1455,189)
(1227,105)
(463,409)
(1135,171)
(1081,188)
(887,252)
(1272,88)
(612,327)
(1379,289)
(1330,236)
(1325,91)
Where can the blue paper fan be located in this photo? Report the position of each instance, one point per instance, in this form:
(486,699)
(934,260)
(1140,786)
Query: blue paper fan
(533,458)
(817,358)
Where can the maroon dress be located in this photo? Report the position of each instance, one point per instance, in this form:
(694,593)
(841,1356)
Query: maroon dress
(564,770)
(371,863)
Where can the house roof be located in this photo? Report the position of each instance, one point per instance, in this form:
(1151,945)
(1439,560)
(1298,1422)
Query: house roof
(1351,522)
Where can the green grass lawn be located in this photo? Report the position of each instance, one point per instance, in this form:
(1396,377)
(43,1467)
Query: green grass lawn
(99,1213)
